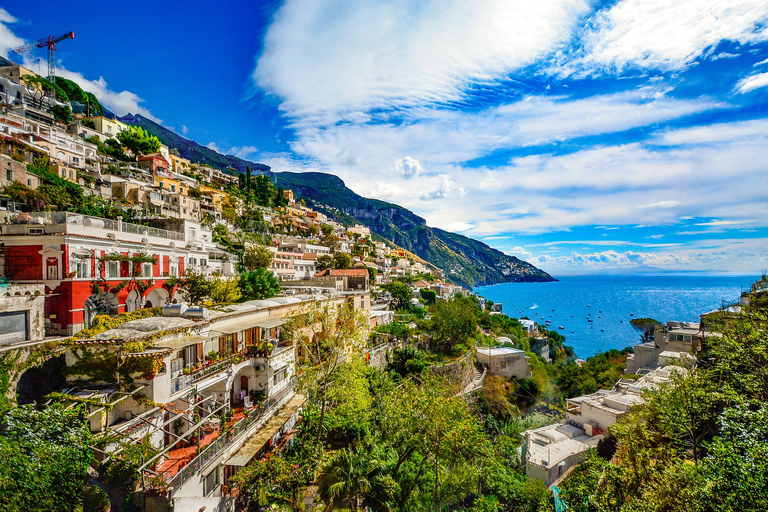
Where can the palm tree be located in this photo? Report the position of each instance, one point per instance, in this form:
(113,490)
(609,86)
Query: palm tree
(352,476)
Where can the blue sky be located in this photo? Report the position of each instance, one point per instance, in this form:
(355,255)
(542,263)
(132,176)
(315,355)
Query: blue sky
(580,136)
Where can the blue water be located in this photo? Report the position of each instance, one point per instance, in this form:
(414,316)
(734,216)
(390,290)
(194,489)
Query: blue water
(610,300)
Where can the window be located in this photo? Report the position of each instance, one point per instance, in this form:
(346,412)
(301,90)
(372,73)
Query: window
(113,269)
(212,481)
(9,175)
(71,174)
(173,188)
(109,129)
(82,269)
(29,182)
(174,270)
(63,173)
(146,270)
(203,262)
(185,211)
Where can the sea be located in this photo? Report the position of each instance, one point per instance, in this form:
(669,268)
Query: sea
(593,311)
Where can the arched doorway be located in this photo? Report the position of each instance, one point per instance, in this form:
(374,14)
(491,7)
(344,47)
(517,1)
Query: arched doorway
(133,301)
(104,303)
(157,298)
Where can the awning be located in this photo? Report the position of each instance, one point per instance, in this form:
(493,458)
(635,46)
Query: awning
(270,322)
(233,326)
(257,441)
(182,342)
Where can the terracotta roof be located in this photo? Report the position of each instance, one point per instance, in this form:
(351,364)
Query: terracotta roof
(349,272)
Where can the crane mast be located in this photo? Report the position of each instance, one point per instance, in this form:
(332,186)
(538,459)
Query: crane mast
(50,43)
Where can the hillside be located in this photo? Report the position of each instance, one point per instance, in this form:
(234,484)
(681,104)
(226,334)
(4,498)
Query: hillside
(190,149)
(465,261)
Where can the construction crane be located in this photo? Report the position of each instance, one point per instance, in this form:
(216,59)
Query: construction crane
(49,42)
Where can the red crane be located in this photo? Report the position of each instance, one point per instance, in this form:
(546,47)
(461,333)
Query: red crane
(49,42)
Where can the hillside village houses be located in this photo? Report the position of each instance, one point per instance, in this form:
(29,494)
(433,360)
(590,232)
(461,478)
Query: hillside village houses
(61,269)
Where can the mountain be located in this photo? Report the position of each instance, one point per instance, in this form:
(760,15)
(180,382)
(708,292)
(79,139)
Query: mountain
(464,260)
(191,150)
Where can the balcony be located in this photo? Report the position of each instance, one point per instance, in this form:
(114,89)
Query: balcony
(74,223)
(183,381)
(227,439)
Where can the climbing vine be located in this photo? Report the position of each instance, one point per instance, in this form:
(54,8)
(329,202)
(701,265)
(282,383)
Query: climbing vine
(103,323)
(105,364)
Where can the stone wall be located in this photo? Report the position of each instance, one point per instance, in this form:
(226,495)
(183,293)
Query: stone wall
(459,374)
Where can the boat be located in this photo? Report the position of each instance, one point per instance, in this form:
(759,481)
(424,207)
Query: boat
(560,327)
(631,314)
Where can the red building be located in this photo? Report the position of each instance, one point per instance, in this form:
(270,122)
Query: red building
(154,162)
(69,253)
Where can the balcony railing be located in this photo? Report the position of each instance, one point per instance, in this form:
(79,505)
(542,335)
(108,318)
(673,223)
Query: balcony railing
(76,219)
(184,381)
(226,439)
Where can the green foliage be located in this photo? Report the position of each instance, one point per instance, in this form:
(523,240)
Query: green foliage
(95,499)
(408,360)
(429,296)
(110,147)
(324,261)
(75,93)
(342,260)
(225,290)
(259,284)
(138,141)
(194,286)
(401,295)
(62,113)
(600,371)
(646,326)
(45,457)
(257,256)
(454,324)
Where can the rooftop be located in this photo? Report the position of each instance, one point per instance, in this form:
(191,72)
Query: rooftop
(499,351)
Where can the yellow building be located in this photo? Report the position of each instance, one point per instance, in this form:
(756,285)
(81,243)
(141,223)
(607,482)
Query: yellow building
(171,185)
(179,164)
(109,127)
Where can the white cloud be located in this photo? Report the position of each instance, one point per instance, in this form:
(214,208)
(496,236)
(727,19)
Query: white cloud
(244,152)
(408,167)
(519,252)
(752,82)
(661,204)
(324,56)
(734,255)
(184,130)
(121,103)
(668,35)
(8,40)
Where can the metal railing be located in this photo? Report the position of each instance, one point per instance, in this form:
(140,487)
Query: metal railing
(184,381)
(77,219)
(233,434)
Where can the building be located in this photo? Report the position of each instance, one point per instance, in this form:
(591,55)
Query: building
(71,253)
(12,170)
(507,362)
(529,326)
(106,126)
(550,451)
(155,163)
(349,279)
(190,374)
(674,340)
(22,313)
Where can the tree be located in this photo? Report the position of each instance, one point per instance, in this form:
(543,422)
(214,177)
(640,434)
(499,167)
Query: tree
(259,284)
(194,286)
(45,458)
(342,260)
(138,141)
(325,334)
(646,326)
(39,88)
(248,179)
(429,296)
(62,113)
(257,256)
(401,294)
(353,475)
(225,290)
(324,261)
(454,323)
